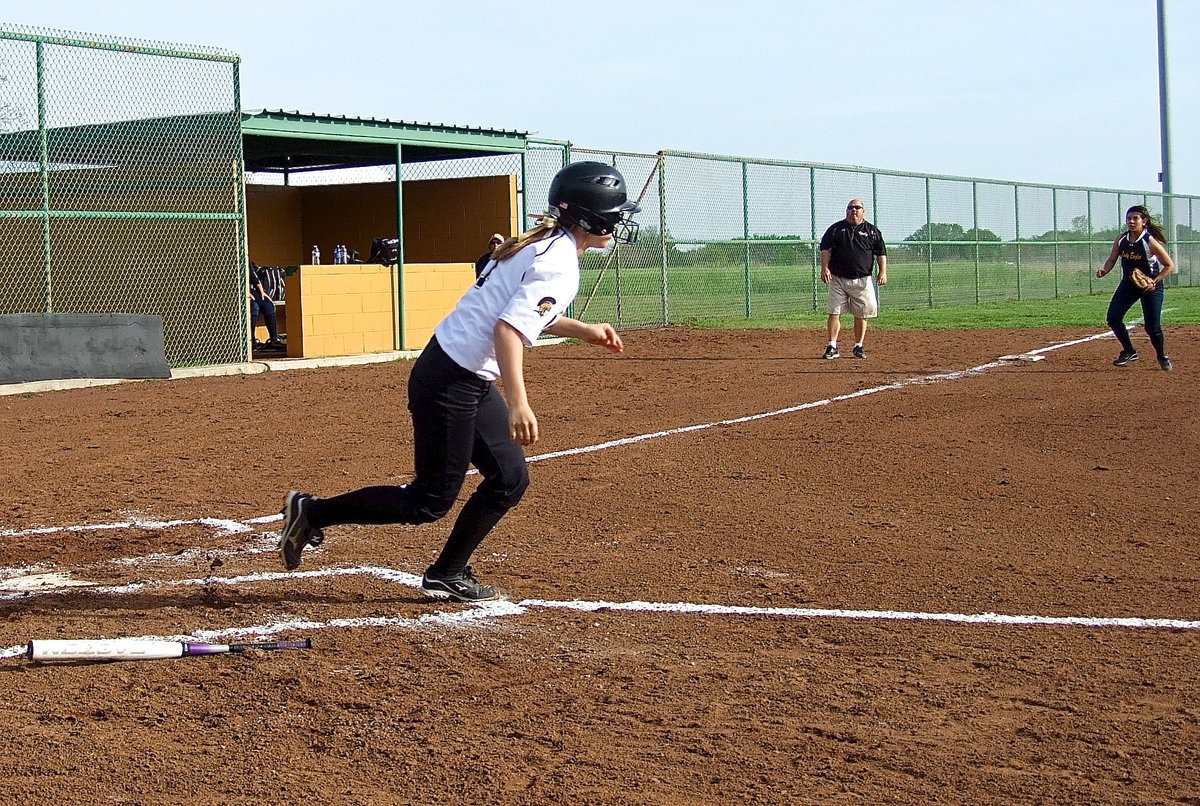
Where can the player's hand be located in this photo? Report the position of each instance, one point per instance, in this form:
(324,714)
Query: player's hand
(825,275)
(604,335)
(522,425)
(1100,272)
(883,278)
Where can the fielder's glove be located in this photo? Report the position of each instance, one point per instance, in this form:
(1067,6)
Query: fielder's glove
(1142,280)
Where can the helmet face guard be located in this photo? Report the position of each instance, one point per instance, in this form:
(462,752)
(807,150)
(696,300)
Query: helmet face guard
(618,224)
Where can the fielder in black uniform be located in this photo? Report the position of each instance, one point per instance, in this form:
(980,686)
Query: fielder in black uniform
(459,417)
(1139,248)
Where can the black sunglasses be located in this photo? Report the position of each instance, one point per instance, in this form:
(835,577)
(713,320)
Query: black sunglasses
(854,206)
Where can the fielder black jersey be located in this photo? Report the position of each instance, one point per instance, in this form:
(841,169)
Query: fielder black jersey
(528,290)
(853,249)
(1137,255)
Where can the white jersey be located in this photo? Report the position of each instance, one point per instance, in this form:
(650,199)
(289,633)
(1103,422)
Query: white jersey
(528,291)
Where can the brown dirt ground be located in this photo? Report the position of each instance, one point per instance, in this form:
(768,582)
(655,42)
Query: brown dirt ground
(1059,488)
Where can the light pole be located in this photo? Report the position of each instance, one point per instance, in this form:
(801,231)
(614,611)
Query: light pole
(1164,116)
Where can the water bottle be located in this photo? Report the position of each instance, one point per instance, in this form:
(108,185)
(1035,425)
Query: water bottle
(316,255)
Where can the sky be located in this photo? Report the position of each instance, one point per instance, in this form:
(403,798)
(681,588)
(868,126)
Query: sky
(1041,91)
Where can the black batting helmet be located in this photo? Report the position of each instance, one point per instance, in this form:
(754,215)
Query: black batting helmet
(592,195)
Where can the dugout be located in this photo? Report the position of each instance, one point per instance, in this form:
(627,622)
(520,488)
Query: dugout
(325,180)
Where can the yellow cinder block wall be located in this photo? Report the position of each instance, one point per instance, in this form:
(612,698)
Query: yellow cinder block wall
(340,310)
(346,310)
(273,217)
(451,220)
(431,290)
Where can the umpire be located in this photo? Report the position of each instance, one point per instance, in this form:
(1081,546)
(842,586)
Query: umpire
(849,250)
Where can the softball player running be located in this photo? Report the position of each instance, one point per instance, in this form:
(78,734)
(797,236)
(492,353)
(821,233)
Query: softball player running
(1140,248)
(459,417)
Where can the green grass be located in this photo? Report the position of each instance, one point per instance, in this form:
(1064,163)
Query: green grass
(963,295)
(1181,307)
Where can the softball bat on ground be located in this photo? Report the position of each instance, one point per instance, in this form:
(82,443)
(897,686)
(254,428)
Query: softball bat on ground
(136,649)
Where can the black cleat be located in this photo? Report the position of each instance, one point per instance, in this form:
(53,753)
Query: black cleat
(1126,357)
(297,532)
(460,587)
(1164,361)
(859,352)
(831,352)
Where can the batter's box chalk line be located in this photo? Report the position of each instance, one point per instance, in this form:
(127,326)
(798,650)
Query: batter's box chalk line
(484,611)
(491,610)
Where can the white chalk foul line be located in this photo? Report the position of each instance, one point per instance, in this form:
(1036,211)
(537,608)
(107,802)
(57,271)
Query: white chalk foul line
(886,615)
(502,608)
(234,527)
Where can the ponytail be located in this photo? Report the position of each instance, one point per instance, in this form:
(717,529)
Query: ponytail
(545,227)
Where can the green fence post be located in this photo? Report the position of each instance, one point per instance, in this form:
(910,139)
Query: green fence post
(875,218)
(815,259)
(662,232)
(975,226)
(746,236)
(243,236)
(928,243)
(398,313)
(1054,213)
(44,178)
(616,247)
(1017,222)
(524,192)
(1091,259)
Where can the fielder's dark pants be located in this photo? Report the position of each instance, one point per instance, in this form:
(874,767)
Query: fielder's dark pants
(267,308)
(458,419)
(1152,303)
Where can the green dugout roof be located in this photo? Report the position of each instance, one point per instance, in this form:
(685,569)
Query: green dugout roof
(273,141)
(279,141)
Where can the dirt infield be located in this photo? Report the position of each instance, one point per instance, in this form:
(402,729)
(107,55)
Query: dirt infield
(759,611)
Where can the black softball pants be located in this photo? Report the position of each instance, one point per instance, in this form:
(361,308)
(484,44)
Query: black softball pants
(1152,303)
(458,419)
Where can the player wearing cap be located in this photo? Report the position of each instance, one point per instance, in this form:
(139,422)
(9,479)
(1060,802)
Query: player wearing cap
(459,416)
(482,261)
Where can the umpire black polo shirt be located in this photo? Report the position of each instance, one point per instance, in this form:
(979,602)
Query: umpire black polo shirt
(853,249)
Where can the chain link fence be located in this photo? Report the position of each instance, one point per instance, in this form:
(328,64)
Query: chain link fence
(121,186)
(121,191)
(725,238)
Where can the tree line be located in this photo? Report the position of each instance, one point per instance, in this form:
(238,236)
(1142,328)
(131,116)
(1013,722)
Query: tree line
(795,250)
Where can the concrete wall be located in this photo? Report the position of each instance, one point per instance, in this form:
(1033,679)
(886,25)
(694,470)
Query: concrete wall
(56,346)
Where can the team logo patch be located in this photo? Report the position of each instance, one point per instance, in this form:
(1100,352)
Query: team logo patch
(545,304)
